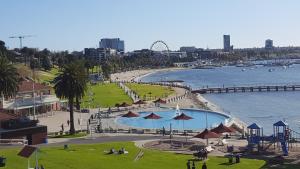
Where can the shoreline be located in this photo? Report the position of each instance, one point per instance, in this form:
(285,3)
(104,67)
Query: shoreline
(136,75)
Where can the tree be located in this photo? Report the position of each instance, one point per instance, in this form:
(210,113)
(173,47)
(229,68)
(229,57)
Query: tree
(2,46)
(106,68)
(34,63)
(27,53)
(71,84)
(46,63)
(88,66)
(9,78)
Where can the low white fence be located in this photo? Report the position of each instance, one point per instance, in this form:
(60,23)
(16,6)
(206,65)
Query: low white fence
(13,142)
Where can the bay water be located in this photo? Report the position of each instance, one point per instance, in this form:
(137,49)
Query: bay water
(263,108)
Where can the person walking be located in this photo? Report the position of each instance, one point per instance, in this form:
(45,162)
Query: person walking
(188,165)
(193,167)
(68,122)
(62,127)
(163,131)
(204,165)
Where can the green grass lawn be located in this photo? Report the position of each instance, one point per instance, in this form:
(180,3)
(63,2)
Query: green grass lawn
(93,157)
(106,95)
(144,90)
(47,76)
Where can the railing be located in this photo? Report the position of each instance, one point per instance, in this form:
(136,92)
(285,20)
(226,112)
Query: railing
(286,87)
(13,142)
(247,85)
(30,101)
(168,84)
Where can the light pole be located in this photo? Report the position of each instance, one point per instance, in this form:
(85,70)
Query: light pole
(33,94)
(206,115)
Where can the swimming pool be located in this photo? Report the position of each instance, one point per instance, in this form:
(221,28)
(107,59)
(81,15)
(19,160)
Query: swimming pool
(198,122)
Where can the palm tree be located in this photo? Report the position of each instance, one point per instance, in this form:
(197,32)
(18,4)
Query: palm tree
(71,84)
(9,78)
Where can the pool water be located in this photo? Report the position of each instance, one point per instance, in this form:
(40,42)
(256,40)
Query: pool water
(197,123)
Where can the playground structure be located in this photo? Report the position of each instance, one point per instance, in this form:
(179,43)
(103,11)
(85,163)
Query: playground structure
(283,137)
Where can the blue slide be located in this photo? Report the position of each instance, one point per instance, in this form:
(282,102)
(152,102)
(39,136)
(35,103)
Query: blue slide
(284,148)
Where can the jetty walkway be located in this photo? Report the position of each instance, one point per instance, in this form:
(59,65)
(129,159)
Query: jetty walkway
(249,88)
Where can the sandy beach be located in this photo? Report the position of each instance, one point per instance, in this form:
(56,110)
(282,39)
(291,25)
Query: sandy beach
(138,74)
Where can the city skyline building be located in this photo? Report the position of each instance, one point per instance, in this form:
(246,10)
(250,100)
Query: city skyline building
(269,44)
(187,49)
(226,43)
(112,43)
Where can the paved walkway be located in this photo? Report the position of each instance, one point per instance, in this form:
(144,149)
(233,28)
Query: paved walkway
(103,138)
(129,92)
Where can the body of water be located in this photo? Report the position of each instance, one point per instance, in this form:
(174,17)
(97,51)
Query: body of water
(198,122)
(264,108)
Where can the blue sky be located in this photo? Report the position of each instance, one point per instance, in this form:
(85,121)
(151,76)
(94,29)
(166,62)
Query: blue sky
(75,24)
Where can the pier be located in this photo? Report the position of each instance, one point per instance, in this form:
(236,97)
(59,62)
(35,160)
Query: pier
(254,88)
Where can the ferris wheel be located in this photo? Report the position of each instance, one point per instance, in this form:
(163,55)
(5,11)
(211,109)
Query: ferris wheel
(160,47)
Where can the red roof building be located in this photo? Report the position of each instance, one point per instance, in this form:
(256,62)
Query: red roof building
(15,127)
(31,95)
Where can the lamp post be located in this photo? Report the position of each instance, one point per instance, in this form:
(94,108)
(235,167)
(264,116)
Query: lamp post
(206,115)
(33,94)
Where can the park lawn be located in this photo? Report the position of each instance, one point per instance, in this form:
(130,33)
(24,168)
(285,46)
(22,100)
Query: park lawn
(92,156)
(144,90)
(95,69)
(105,95)
(47,76)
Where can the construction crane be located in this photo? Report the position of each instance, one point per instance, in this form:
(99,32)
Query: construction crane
(21,37)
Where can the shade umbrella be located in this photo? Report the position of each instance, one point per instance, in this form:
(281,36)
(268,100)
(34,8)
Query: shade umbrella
(153,116)
(140,102)
(206,134)
(159,100)
(124,104)
(222,129)
(183,117)
(130,114)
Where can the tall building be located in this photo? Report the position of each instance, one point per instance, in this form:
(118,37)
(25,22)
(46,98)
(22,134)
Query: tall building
(114,43)
(91,53)
(269,44)
(226,42)
(98,54)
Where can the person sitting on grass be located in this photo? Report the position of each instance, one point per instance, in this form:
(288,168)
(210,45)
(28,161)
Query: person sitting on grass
(123,151)
(111,151)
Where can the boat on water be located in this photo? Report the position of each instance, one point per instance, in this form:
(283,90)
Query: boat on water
(244,65)
(271,70)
